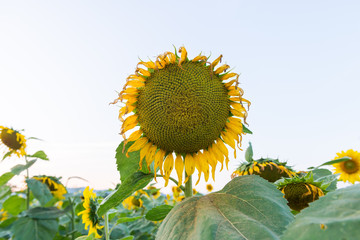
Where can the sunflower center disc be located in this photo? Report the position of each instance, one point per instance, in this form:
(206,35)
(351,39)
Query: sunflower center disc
(10,140)
(350,166)
(183,110)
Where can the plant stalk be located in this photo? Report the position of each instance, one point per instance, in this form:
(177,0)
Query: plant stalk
(107,233)
(27,189)
(188,187)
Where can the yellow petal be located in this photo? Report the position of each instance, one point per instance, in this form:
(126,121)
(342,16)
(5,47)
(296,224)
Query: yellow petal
(179,166)
(138,144)
(212,161)
(229,75)
(200,58)
(143,72)
(150,156)
(183,56)
(168,166)
(227,85)
(136,77)
(222,68)
(170,57)
(135,83)
(150,64)
(135,135)
(143,152)
(216,61)
(189,165)
(159,158)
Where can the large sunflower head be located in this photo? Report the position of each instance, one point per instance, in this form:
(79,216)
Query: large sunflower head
(184,112)
(13,140)
(55,186)
(89,216)
(349,170)
(300,191)
(267,168)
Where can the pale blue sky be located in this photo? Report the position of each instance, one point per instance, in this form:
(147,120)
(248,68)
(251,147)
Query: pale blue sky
(62,62)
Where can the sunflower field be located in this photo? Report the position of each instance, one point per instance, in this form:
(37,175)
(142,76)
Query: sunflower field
(181,119)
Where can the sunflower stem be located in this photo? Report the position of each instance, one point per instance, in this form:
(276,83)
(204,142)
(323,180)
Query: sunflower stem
(72,218)
(107,233)
(27,189)
(188,186)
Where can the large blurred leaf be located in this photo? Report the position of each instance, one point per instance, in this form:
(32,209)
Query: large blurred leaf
(20,167)
(248,207)
(6,177)
(249,153)
(4,191)
(46,212)
(326,177)
(334,216)
(40,191)
(40,154)
(34,229)
(128,165)
(158,213)
(15,205)
(134,182)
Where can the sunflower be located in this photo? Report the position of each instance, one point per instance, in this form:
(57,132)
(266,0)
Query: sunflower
(269,169)
(13,140)
(154,192)
(209,187)
(184,112)
(89,216)
(132,202)
(300,191)
(3,215)
(349,170)
(55,186)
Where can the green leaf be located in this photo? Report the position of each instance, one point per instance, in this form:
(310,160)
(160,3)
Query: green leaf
(6,177)
(14,205)
(134,182)
(158,213)
(127,219)
(90,237)
(7,222)
(46,212)
(34,229)
(4,191)
(325,176)
(40,154)
(249,153)
(20,167)
(246,130)
(127,238)
(343,159)
(40,191)
(248,207)
(6,155)
(128,165)
(333,216)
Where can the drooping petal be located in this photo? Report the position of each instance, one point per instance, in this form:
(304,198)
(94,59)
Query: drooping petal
(168,166)
(179,166)
(138,144)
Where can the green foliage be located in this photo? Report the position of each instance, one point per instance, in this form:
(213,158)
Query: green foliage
(127,219)
(39,190)
(158,213)
(249,153)
(20,167)
(325,176)
(246,130)
(34,229)
(248,207)
(128,165)
(46,212)
(6,177)
(333,216)
(15,204)
(134,182)
(4,191)
(40,154)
